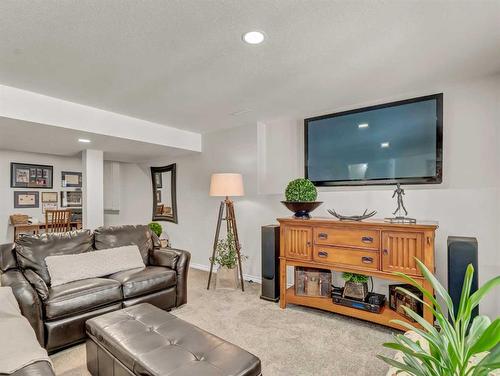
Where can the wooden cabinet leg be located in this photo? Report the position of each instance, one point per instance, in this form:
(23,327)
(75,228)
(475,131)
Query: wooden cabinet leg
(428,316)
(283,280)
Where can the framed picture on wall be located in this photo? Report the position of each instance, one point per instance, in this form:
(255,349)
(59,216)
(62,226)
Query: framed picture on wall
(49,197)
(48,206)
(71,179)
(26,200)
(26,175)
(71,199)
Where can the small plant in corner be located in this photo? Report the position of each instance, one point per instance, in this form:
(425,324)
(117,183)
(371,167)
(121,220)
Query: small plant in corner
(156,228)
(301,190)
(460,339)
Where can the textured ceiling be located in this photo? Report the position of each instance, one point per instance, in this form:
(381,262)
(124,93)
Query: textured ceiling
(182,63)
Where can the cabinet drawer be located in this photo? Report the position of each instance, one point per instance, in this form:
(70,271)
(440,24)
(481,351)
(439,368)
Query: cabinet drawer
(359,238)
(348,257)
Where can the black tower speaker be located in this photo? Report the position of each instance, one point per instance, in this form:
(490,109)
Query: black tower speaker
(270,263)
(461,252)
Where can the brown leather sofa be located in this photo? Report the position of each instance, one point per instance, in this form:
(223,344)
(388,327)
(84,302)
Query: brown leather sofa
(58,314)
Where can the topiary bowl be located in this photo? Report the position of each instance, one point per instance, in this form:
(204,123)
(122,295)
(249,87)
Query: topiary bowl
(301,208)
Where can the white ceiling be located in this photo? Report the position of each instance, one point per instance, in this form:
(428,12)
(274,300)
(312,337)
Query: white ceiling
(21,135)
(182,63)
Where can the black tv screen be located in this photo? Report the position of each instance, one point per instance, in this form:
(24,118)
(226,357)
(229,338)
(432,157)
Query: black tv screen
(383,144)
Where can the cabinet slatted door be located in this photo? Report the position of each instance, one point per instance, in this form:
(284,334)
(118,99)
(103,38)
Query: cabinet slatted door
(400,250)
(298,242)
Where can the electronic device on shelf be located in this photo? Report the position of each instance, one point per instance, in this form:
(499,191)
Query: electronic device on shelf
(373,303)
(337,291)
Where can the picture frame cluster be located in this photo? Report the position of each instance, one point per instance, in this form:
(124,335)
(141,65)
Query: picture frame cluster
(37,176)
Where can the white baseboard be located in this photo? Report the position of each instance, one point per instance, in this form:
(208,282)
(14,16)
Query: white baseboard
(246,277)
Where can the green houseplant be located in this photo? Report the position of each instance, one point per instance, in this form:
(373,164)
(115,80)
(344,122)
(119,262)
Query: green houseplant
(226,257)
(459,339)
(356,285)
(156,228)
(301,197)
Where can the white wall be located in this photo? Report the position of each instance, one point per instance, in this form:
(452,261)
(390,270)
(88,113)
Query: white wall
(7,193)
(466,204)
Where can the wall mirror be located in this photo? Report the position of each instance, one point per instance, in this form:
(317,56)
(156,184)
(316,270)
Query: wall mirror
(164,193)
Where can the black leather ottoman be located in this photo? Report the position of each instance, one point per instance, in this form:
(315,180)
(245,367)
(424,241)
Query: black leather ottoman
(145,340)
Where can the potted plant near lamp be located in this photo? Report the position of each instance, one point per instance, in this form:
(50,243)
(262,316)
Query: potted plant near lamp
(226,258)
(301,197)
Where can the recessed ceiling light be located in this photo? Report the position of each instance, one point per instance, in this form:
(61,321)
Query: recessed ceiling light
(364,125)
(84,140)
(385,145)
(253,37)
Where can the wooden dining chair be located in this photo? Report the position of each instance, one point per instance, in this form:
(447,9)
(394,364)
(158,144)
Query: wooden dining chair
(57,220)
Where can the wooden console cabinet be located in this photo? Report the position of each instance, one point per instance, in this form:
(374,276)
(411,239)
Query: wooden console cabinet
(372,247)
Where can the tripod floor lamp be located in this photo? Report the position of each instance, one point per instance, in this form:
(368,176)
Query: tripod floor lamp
(226,185)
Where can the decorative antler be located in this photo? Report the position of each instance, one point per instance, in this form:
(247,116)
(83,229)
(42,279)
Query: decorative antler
(358,218)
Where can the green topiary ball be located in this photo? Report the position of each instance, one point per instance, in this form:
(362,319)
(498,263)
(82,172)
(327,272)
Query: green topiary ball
(302,190)
(156,228)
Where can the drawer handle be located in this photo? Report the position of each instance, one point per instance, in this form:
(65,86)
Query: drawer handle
(386,252)
(367,260)
(322,254)
(323,235)
(367,239)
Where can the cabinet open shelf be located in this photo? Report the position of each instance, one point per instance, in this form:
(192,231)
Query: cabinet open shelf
(382,318)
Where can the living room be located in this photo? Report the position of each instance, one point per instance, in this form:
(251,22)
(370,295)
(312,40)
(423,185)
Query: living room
(152,84)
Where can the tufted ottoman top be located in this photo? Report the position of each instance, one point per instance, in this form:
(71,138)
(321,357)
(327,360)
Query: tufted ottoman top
(150,341)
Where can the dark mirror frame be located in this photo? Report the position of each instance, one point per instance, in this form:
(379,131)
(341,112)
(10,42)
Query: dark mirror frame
(170,168)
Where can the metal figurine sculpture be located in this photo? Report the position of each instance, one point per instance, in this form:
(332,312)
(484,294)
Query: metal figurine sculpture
(399,218)
(400,192)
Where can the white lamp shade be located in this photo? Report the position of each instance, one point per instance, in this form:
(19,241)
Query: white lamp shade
(226,185)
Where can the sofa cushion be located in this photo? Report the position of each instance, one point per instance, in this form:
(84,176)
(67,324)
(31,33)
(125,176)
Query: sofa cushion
(117,236)
(136,282)
(92,264)
(31,251)
(81,296)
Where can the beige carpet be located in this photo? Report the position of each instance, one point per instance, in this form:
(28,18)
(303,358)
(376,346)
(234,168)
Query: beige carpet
(295,341)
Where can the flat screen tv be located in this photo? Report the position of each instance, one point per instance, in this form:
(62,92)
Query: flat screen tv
(384,144)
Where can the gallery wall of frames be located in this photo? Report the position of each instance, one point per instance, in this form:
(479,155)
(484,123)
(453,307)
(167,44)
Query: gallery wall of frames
(33,183)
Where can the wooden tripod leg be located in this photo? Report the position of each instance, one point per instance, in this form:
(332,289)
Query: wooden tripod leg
(232,219)
(216,239)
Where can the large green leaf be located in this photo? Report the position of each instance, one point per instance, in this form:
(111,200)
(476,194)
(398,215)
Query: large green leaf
(479,325)
(489,362)
(489,338)
(464,297)
(483,290)
(401,366)
(438,287)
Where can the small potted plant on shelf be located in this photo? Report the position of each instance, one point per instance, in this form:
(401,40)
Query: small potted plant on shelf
(226,257)
(301,197)
(462,346)
(356,285)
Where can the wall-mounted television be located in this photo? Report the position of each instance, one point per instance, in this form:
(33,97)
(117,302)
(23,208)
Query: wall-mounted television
(384,144)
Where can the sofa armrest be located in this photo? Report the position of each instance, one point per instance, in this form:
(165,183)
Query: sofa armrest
(178,260)
(37,283)
(28,300)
